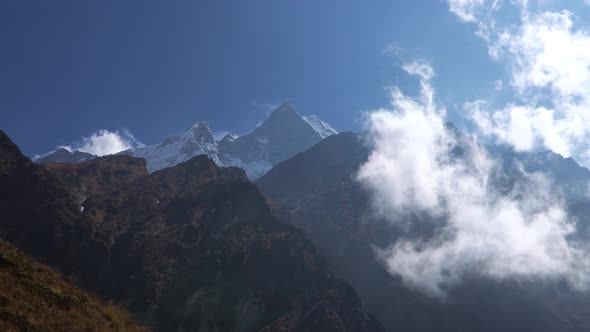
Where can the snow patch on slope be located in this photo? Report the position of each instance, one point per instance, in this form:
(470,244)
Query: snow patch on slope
(254,169)
(323,129)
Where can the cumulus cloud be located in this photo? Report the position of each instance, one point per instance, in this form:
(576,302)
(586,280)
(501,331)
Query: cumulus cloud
(548,59)
(524,127)
(419,164)
(104,142)
(545,51)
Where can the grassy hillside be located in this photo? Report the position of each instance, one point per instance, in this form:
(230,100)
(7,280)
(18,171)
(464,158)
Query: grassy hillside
(35,298)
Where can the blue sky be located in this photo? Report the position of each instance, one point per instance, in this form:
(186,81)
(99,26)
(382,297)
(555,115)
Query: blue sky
(70,68)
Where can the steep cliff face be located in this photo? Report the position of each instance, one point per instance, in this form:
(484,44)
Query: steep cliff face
(186,248)
(39,214)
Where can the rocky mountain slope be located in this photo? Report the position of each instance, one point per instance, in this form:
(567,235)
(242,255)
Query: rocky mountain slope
(191,247)
(318,191)
(33,297)
(281,136)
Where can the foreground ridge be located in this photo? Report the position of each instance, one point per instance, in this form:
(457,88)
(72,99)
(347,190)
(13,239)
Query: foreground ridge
(192,246)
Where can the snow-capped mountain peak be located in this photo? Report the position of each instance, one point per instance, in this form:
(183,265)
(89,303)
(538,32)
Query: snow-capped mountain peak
(201,133)
(284,133)
(286,115)
(285,107)
(196,140)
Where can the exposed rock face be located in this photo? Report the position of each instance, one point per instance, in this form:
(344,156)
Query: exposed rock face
(191,247)
(38,213)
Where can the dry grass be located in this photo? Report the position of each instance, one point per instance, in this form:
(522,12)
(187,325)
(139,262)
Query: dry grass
(35,298)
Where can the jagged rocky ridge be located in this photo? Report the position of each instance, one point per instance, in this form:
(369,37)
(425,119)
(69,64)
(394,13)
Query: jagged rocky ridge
(281,136)
(191,247)
(62,155)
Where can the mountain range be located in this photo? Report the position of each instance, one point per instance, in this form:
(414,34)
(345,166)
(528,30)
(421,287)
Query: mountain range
(185,243)
(281,136)
(192,247)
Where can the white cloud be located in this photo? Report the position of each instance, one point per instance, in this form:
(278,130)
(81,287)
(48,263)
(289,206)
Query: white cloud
(412,168)
(104,142)
(466,10)
(393,49)
(478,12)
(526,128)
(545,52)
(548,58)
